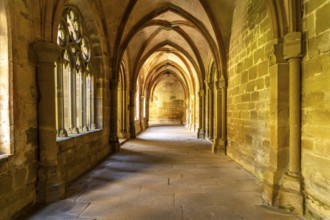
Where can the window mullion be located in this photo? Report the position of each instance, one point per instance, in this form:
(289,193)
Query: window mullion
(61,132)
(74,128)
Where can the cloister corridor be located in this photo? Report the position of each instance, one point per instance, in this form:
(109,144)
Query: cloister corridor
(165,173)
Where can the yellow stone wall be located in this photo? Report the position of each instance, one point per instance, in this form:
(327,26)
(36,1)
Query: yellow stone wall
(316,108)
(168,102)
(248,87)
(18,171)
(79,154)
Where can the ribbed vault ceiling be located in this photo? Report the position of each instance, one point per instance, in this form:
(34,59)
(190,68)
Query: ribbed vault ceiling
(178,37)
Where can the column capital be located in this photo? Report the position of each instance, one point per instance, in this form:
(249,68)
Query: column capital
(46,52)
(275,52)
(202,92)
(220,83)
(293,46)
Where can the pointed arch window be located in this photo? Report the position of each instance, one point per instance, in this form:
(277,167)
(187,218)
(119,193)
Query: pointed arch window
(74,77)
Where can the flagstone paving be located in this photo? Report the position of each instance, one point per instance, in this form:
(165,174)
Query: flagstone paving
(164,174)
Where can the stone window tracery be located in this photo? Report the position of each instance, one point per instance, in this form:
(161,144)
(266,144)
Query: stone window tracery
(74,77)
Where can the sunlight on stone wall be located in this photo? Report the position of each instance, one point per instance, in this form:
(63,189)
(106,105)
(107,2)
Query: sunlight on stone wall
(316,108)
(167,105)
(248,87)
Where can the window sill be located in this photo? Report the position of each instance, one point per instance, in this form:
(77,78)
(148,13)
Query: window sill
(71,136)
(4,157)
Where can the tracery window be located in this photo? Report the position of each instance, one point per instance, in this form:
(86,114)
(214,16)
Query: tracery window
(74,77)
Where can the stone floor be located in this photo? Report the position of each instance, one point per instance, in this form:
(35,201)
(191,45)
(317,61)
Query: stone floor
(165,173)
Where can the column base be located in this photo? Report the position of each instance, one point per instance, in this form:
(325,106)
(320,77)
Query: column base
(62,133)
(114,144)
(290,194)
(219,146)
(50,187)
(132,131)
(93,126)
(74,131)
(270,187)
(201,134)
(124,134)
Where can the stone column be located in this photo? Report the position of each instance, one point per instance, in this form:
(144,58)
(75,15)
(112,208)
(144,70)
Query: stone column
(201,129)
(99,88)
(84,103)
(192,112)
(141,113)
(97,105)
(50,186)
(147,113)
(216,147)
(292,195)
(187,102)
(73,99)
(211,111)
(207,116)
(124,133)
(61,132)
(223,88)
(114,142)
(219,116)
(132,113)
(278,122)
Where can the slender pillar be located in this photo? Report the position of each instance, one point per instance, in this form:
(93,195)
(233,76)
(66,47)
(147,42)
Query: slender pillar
(187,112)
(114,142)
(141,113)
(73,100)
(292,191)
(211,111)
(191,112)
(99,102)
(278,122)
(201,129)
(123,131)
(84,103)
(147,113)
(223,88)
(50,185)
(207,116)
(295,97)
(132,113)
(218,144)
(61,132)
(97,105)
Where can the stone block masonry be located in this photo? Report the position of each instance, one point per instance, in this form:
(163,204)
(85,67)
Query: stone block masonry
(316,109)
(248,87)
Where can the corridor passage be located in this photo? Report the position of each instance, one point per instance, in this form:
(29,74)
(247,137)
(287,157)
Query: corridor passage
(164,174)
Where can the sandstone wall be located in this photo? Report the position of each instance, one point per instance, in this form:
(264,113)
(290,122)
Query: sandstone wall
(248,87)
(316,108)
(18,171)
(168,105)
(78,154)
